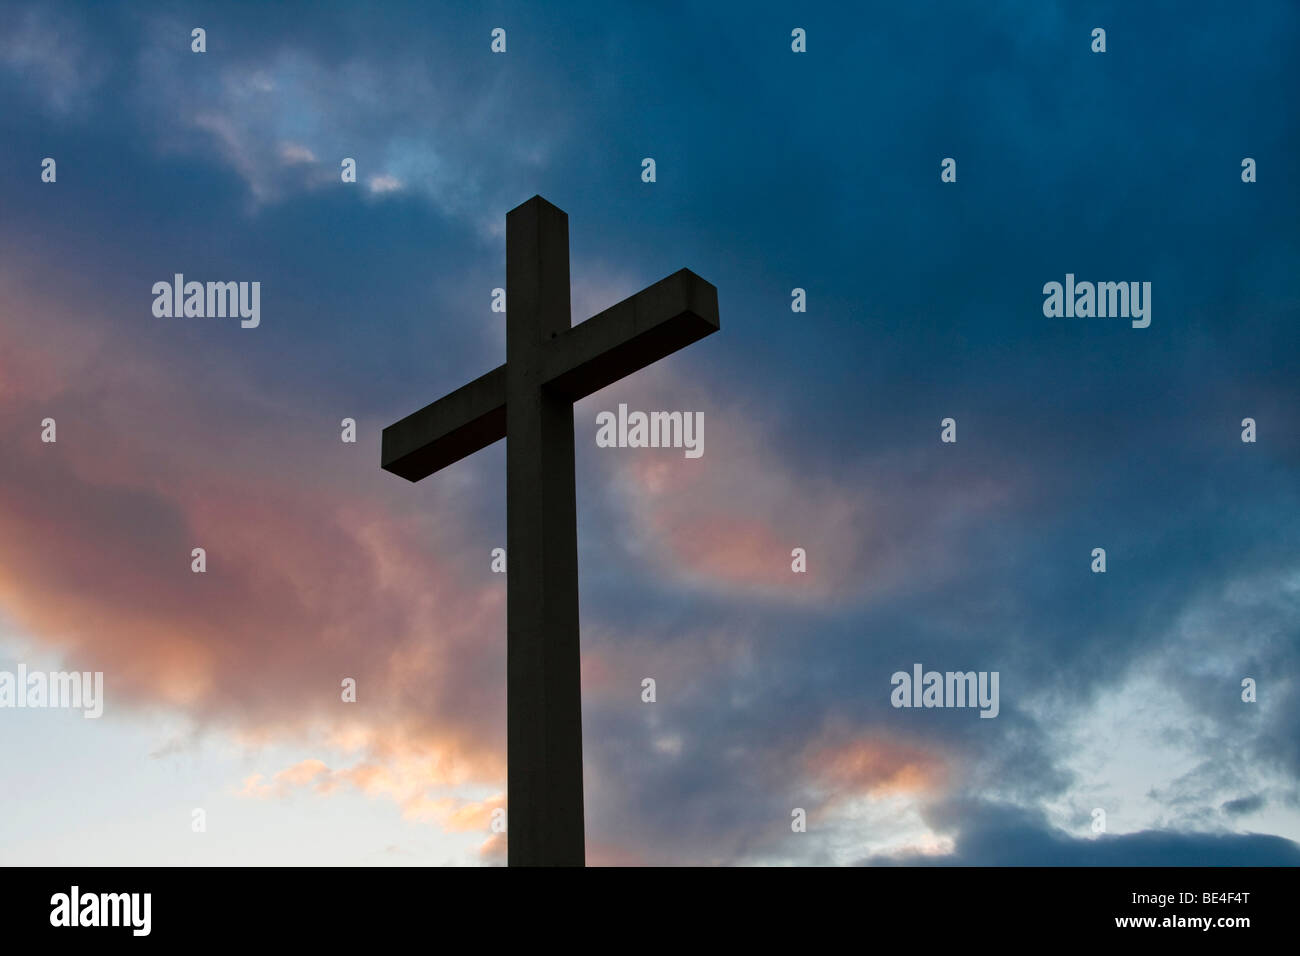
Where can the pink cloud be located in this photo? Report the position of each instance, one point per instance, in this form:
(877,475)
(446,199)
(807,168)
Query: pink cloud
(319,565)
(729,521)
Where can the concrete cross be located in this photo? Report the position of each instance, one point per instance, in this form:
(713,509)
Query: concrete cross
(529,400)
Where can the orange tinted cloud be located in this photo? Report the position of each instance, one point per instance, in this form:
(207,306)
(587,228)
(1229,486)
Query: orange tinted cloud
(873,765)
(319,565)
(407,781)
(728,522)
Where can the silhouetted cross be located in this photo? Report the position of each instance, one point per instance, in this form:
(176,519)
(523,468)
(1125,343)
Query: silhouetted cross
(529,400)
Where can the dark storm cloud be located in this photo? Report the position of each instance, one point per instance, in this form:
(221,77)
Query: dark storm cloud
(1244,805)
(998,835)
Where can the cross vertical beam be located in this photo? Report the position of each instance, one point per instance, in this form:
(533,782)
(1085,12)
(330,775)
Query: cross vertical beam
(529,400)
(543,684)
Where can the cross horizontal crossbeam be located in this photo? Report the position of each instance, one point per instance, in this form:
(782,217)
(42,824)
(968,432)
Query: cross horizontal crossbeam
(640,330)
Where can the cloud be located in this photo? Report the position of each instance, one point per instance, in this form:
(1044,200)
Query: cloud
(315,573)
(989,834)
(872,525)
(384,184)
(408,780)
(54,57)
(874,766)
(282,116)
(1244,805)
(293,153)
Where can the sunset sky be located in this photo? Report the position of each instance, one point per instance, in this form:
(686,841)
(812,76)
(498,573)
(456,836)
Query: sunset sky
(775,171)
